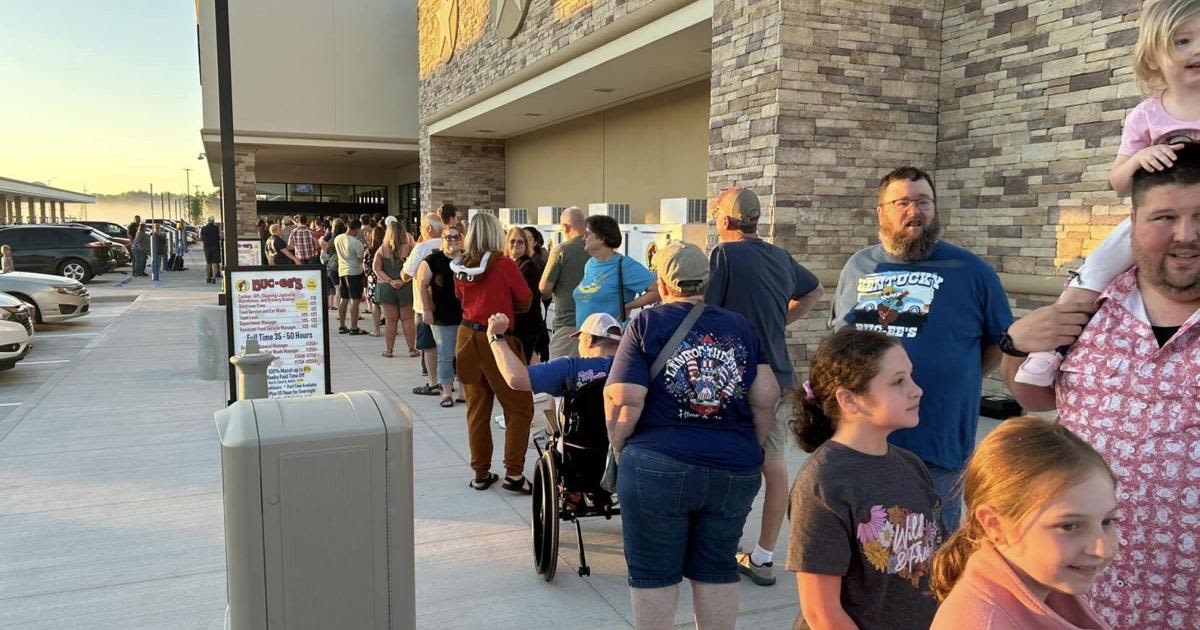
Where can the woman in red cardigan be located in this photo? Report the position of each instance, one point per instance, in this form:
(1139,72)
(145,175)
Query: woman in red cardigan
(487,282)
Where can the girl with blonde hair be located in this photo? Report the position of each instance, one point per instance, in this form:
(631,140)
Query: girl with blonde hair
(1041,525)
(487,282)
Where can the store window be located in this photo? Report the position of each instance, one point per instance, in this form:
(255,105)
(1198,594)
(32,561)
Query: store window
(321,193)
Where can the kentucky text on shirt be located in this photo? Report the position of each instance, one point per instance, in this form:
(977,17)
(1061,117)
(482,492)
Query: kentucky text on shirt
(900,279)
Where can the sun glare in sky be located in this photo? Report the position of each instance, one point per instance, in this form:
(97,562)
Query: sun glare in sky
(101,95)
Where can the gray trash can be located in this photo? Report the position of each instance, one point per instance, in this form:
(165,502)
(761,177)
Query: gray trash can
(318,512)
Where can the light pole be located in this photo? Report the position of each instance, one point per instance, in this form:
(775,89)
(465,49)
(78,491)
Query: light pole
(187,191)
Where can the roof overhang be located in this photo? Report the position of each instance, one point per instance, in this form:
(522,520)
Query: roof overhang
(668,52)
(310,150)
(42,191)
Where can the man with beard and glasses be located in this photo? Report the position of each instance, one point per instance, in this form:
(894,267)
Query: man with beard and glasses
(1130,387)
(947,308)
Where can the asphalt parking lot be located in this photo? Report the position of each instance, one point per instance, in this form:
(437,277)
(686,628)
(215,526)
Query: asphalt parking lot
(57,346)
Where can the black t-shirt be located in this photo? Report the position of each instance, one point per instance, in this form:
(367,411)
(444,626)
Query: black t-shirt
(210,235)
(447,310)
(277,246)
(530,323)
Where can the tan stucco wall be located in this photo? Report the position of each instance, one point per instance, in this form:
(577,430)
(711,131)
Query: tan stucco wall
(307,68)
(637,153)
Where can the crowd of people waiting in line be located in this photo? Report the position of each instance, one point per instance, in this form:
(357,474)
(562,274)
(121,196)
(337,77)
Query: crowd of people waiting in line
(896,519)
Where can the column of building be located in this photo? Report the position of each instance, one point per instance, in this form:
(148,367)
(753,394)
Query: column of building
(811,103)
(245,191)
(468,172)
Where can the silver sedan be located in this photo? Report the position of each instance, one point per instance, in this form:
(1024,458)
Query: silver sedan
(53,298)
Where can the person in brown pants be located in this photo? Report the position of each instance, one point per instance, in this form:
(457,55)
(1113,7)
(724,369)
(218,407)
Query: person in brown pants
(487,282)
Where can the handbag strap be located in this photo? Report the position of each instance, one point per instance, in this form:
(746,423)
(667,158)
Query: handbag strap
(621,286)
(672,344)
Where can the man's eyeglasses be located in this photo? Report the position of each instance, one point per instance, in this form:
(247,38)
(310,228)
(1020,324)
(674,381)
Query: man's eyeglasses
(907,204)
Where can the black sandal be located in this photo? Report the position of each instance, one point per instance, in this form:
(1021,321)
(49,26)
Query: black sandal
(484,484)
(357,331)
(428,390)
(519,486)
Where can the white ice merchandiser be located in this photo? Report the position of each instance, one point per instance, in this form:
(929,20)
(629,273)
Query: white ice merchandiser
(318,512)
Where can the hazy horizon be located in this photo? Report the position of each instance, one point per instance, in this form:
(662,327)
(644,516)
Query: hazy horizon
(102,97)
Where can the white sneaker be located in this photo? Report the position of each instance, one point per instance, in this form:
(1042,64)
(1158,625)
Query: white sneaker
(500,421)
(1039,369)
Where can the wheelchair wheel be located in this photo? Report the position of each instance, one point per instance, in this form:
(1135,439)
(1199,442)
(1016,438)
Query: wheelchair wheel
(545,516)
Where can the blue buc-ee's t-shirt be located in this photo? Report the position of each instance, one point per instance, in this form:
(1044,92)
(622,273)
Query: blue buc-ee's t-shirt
(597,292)
(945,310)
(698,409)
(558,376)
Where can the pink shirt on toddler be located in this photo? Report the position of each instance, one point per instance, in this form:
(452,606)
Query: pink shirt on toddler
(990,596)
(1149,124)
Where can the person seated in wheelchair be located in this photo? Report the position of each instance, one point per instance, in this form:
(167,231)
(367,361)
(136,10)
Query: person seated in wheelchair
(598,340)
(583,443)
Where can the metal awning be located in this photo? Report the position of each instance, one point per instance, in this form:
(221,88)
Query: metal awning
(42,191)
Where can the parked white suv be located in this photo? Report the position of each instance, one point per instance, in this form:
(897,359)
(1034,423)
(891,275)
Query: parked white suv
(16,330)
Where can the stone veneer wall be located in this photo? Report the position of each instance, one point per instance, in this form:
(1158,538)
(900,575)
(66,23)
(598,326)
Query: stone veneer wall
(1031,98)
(468,172)
(1033,95)
(482,57)
(811,103)
(246,187)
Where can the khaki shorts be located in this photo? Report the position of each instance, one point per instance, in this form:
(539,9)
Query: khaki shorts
(562,344)
(780,435)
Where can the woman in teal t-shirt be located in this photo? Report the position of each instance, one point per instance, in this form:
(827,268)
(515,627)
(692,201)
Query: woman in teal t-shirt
(598,291)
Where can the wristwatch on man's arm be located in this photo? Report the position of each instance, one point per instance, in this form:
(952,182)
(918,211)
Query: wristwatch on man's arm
(1007,347)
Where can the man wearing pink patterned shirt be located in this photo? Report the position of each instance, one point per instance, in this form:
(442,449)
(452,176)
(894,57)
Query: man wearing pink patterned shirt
(1130,386)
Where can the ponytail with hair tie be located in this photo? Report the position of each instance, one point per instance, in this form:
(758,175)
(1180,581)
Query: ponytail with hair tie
(848,359)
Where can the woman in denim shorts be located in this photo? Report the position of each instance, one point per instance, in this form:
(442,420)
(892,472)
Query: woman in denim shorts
(689,444)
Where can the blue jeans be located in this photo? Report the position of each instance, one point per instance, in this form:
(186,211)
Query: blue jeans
(946,484)
(446,337)
(680,520)
(139,261)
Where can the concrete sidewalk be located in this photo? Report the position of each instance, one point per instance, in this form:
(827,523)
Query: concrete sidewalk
(111,513)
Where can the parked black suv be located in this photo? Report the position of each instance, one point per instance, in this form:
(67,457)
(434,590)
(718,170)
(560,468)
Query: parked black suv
(73,252)
(110,229)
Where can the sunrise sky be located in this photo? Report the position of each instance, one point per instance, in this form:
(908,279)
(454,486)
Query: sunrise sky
(100,95)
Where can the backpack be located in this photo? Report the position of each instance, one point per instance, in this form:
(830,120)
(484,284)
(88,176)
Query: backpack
(584,436)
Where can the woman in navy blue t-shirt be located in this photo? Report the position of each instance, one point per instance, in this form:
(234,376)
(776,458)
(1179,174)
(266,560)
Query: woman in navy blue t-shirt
(689,444)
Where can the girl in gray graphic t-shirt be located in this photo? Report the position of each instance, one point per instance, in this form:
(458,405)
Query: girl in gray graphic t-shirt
(865,519)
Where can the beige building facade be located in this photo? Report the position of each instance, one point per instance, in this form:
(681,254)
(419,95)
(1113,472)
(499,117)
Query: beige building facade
(324,104)
(1015,108)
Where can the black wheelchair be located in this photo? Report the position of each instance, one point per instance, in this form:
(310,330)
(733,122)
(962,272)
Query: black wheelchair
(566,480)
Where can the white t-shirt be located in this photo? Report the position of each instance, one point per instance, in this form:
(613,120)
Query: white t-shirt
(350,254)
(419,253)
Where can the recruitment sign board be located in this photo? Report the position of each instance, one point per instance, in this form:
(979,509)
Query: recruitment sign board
(283,308)
(249,253)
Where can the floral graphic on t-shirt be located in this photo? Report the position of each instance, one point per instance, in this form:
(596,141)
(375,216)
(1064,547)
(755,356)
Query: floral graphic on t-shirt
(898,541)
